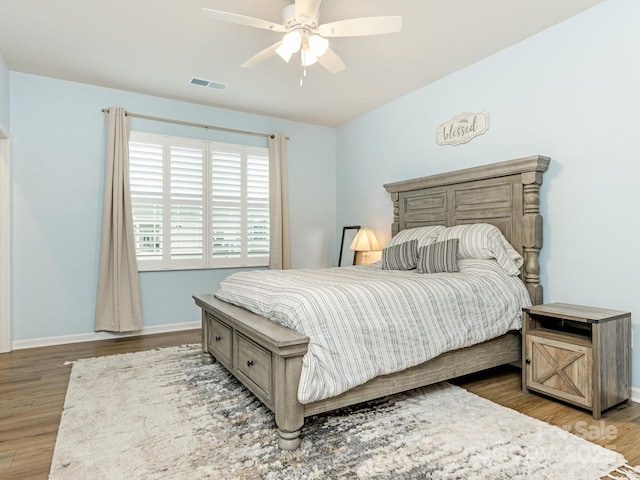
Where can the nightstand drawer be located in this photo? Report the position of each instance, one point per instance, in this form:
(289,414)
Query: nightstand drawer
(220,340)
(559,368)
(254,363)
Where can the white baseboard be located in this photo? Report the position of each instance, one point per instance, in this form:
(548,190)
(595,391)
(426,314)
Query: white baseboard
(635,394)
(94,336)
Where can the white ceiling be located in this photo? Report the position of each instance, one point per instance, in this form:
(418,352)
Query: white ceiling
(157,46)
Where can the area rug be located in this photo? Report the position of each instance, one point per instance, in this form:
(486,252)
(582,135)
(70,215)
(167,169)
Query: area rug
(162,414)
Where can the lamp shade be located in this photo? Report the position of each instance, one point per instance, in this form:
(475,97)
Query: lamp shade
(365,241)
(307,57)
(318,45)
(292,41)
(284,53)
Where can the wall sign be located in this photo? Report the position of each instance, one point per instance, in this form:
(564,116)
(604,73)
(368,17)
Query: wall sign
(462,128)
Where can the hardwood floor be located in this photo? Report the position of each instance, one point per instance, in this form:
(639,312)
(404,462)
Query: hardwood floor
(33,385)
(618,429)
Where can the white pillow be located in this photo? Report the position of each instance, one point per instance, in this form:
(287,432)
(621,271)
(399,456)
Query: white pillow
(424,235)
(482,240)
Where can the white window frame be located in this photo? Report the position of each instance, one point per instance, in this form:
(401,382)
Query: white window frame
(207,261)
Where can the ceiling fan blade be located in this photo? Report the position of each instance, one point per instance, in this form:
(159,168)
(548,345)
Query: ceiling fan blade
(307,9)
(242,20)
(332,62)
(356,27)
(262,55)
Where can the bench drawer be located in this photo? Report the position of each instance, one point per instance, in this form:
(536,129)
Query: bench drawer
(220,340)
(254,363)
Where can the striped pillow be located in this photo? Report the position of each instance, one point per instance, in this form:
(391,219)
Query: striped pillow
(439,257)
(482,240)
(424,235)
(400,257)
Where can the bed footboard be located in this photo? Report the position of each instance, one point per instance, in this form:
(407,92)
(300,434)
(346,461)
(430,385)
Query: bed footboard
(264,356)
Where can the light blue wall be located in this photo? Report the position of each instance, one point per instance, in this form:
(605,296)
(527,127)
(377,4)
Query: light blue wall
(572,92)
(57,180)
(4,93)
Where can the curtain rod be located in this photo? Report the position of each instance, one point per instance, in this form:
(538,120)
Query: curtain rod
(192,124)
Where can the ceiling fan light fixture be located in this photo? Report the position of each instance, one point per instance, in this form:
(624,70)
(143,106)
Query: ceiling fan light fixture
(307,57)
(284,53)
(302,32)
(318,45)
(292,41)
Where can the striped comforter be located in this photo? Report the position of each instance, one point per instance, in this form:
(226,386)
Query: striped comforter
(364,322)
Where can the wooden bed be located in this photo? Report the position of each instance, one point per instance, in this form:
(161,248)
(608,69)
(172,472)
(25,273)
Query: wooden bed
(267,357)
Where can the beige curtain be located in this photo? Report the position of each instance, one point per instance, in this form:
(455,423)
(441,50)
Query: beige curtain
(118,300)
(278,204)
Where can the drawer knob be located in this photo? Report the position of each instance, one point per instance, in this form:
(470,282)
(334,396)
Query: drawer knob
(218,338)
(249,363)
(527,361)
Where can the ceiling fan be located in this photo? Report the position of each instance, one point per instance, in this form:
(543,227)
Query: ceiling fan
(304,34)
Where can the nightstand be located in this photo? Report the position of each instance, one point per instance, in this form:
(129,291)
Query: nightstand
(577,354)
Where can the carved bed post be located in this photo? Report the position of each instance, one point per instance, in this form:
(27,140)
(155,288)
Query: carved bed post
(207,358)
(532,231)
(288,410)
(395,226)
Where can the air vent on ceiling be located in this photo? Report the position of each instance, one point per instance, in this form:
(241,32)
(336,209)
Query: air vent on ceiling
(208,83)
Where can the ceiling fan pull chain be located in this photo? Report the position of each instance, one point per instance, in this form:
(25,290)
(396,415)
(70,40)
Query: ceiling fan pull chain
(303,70)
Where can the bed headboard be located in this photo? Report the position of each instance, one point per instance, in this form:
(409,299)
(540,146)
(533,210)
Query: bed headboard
(505,194)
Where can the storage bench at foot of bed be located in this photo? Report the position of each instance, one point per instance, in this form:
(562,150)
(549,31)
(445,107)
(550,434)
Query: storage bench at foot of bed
(264,356)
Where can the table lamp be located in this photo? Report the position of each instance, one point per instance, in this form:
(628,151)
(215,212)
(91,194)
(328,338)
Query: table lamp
(365,242)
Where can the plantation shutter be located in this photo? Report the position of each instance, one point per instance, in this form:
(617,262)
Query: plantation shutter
(186,185)
(146,180)
(198,204)
(226,206)
(257,206)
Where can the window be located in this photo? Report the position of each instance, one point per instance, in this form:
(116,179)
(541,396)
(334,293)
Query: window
(198,204)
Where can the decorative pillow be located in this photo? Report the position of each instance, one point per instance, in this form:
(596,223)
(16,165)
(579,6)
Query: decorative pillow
(482,240)
(438,257)
(400,257)
(424,235)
